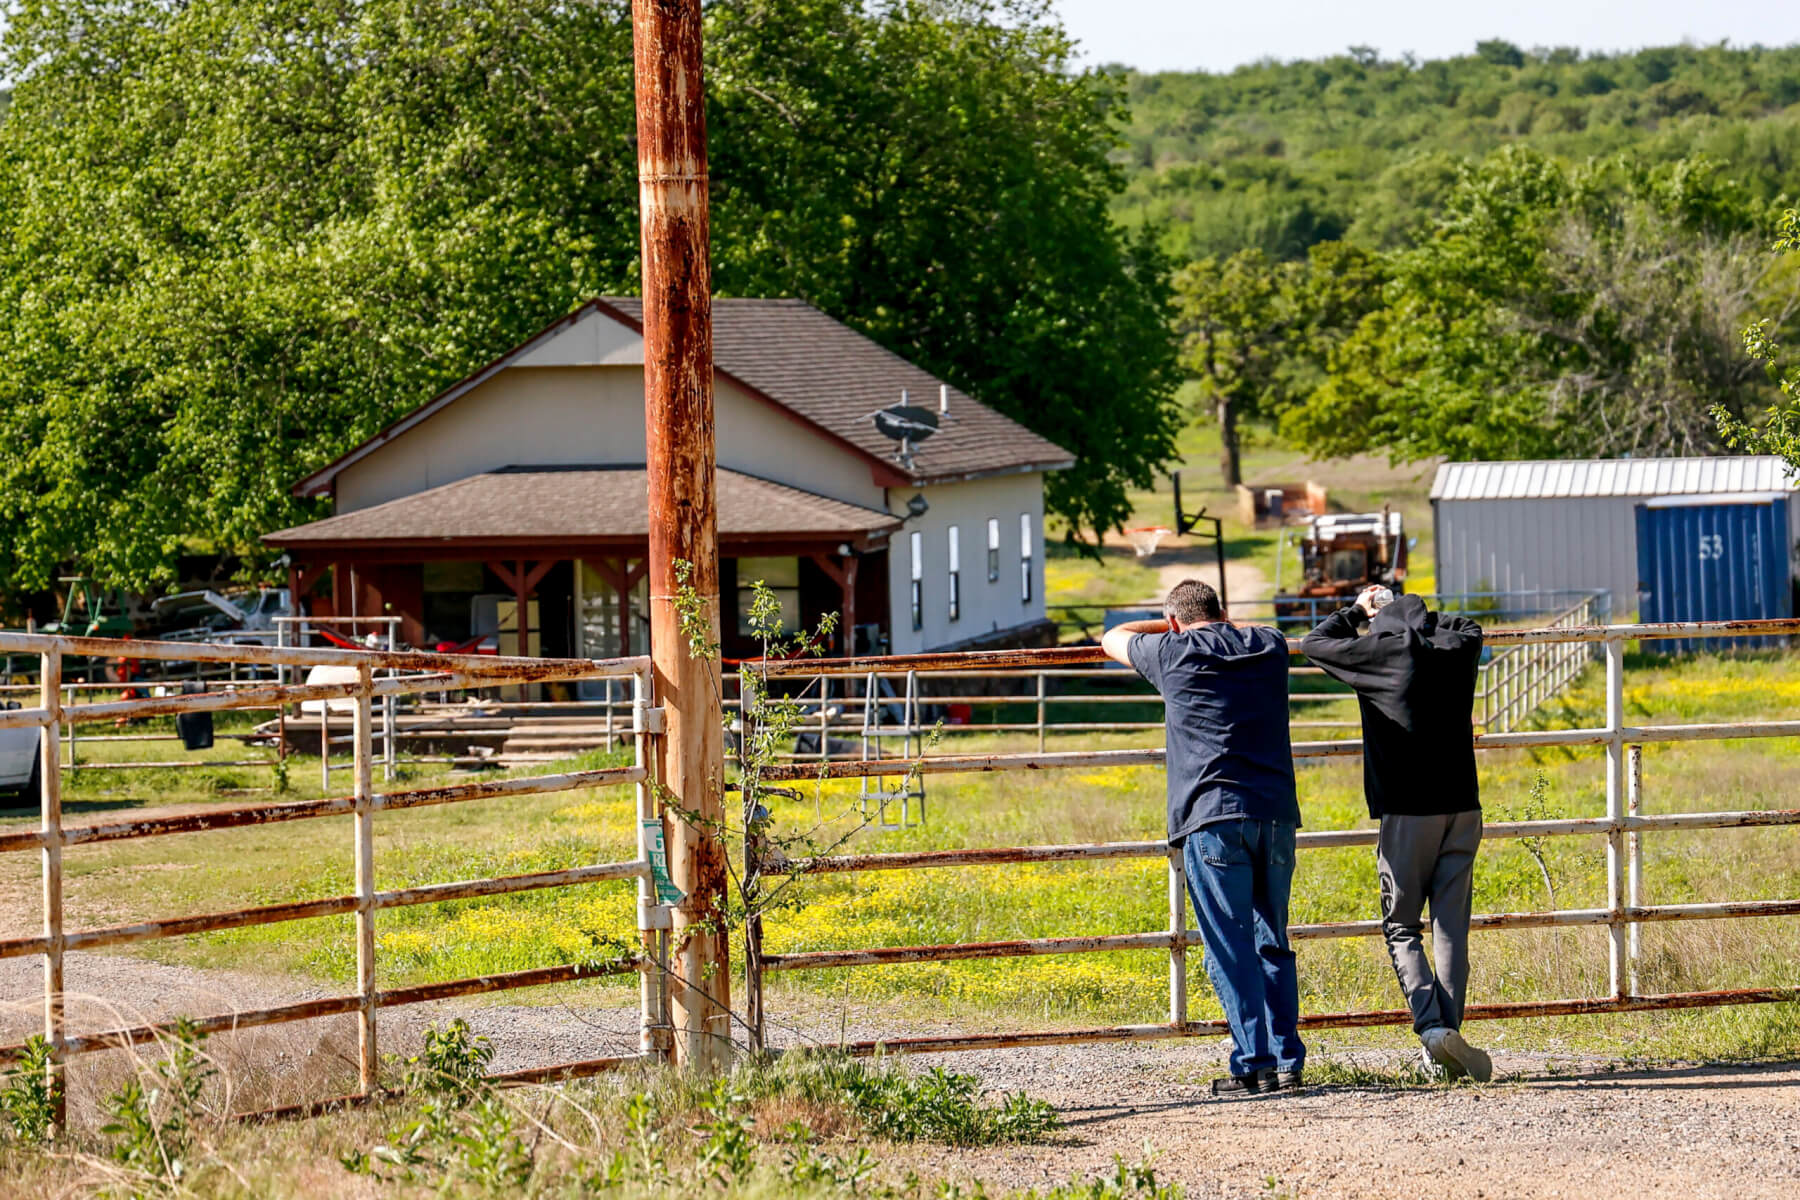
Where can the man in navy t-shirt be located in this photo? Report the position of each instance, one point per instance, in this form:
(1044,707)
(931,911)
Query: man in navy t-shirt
(1233,812)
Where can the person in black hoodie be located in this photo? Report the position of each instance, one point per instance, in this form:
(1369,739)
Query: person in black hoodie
(1414,675)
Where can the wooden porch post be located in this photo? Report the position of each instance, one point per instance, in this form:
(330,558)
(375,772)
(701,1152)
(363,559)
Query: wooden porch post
(623,591)
(845,577)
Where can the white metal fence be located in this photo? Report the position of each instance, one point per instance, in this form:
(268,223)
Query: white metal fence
(413,673)
(1620,825)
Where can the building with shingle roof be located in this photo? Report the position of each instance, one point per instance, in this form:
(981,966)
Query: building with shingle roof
(521,488)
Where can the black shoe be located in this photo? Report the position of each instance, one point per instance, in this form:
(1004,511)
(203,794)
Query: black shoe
(1289,1080)
(1236,1087)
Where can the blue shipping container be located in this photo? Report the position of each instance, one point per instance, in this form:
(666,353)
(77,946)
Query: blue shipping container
(1715,558)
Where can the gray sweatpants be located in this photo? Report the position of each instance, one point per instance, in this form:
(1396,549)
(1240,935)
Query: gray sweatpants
(1429,860)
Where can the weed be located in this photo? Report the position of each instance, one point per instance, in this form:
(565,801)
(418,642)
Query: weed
(941,1106)
(153,1128)
(28,1093)
(452,1065)
(728,1152)
(464,1133)
(1537,808)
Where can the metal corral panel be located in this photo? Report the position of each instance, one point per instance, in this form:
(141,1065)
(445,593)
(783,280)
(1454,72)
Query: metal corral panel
(1716,558)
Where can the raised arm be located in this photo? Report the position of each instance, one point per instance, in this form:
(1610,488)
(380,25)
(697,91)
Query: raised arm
(1333,638)
(1345,655)
(1117,640)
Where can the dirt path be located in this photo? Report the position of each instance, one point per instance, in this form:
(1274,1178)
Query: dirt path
(1243,581)
(1576,1127)
(1584,1130)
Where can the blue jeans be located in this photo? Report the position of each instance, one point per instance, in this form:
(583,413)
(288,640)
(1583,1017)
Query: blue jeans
(1239,872)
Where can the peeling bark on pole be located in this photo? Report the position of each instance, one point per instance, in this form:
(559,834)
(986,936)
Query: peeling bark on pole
(678,417)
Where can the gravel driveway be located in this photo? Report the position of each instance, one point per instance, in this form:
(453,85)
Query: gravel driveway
(1578,1127)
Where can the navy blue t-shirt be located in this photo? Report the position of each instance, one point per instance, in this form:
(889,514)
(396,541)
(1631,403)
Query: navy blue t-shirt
(1225,692)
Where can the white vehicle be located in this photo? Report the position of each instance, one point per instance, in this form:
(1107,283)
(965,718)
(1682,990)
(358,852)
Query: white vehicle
(19,760)
(207,616)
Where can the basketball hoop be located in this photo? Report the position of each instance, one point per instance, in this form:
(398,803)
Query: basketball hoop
(1144,540)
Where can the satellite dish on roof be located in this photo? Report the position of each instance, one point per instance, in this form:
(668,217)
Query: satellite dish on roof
(906,422)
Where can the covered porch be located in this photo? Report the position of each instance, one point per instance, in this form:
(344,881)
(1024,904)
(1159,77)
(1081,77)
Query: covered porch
(551,562)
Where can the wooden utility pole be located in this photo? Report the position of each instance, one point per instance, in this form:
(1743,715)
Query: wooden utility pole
(678,419)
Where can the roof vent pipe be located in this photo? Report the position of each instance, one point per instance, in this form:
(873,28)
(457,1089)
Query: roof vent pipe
(903,395)
(943,399)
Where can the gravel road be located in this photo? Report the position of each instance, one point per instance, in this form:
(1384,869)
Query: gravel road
(1572,1127)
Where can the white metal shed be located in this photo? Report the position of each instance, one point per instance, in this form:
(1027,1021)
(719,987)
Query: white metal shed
(1565,525)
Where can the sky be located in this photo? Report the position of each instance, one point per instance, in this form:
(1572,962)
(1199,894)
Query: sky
(1217,35)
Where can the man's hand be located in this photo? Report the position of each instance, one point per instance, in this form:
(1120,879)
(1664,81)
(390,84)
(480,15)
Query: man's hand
(1365,600)
(1117,640)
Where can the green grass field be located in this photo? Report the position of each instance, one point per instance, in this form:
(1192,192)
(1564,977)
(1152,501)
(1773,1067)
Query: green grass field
(209,872)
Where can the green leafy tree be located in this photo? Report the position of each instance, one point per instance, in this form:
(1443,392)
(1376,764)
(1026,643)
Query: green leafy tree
(238,237)
(937,174)
(1257,335)
(1235,319)
(1557,313)
(1779,431)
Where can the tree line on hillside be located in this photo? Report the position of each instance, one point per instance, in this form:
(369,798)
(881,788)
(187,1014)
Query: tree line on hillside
(1552,311)
(1276,156)
(238,236)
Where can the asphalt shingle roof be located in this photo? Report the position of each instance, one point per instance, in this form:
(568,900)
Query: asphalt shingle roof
(576,503)
(836,378)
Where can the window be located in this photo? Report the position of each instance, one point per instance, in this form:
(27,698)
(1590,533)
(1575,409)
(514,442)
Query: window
(918,580)
(779,575)
(993,549)
(955,575)
(1025,558)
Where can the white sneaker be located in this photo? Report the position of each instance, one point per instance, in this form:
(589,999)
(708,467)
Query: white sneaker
(1457,1057)
(1433,1070)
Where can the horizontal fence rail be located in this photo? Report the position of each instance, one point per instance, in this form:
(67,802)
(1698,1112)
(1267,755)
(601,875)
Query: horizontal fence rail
(411,673)
(1622,916)
(1509,686)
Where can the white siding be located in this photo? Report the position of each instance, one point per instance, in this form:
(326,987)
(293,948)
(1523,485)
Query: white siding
(986,607)
(569,415)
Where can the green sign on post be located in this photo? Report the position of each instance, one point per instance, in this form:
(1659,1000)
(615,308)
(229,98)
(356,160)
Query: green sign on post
(666,891)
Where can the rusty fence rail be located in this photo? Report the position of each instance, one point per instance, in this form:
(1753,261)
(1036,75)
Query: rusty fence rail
(1621,826)
(1509,686)
(409,673)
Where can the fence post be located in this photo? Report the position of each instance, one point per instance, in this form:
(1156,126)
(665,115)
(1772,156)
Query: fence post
(653,915)
(68,699)
(324,729)
(281,641)
(1615,813)
(50,693)
(824,717)
(390,754)
(1635,856)
(1178,1006)
(1040,709)
(367,1063)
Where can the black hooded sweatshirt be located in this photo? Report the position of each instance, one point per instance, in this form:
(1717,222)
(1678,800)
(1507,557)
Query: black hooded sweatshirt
(1414,675)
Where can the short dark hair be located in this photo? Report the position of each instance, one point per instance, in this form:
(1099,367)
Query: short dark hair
(1192,602)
